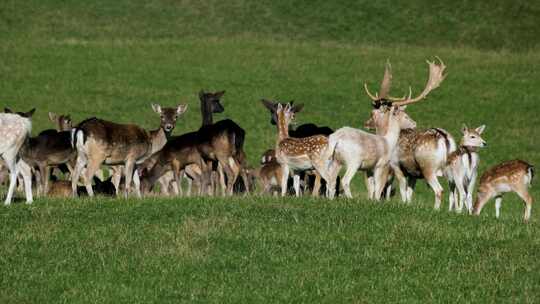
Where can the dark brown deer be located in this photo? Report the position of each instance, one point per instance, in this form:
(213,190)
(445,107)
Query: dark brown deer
(99,141)
(220,142)
(302,131)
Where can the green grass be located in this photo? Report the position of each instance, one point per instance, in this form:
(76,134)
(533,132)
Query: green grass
(111,60)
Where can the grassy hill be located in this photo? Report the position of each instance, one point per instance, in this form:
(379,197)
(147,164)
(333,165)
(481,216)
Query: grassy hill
(112,59)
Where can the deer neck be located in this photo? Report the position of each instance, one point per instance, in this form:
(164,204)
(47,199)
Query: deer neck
(206,113)
(390,131)
(283,128)
(158,140)
(471,149)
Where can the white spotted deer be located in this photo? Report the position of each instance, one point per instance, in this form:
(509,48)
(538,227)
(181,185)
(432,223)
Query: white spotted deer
(420,153)
(103,142)
(15,128)
(510,176)
(461,169)
(297,154)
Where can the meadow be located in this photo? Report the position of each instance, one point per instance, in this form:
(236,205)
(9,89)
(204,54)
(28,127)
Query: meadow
(111,60)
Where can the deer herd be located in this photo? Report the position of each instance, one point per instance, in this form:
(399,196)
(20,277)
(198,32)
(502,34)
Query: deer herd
(213,159)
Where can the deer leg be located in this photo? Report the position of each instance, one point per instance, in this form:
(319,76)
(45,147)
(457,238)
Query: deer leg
(470,189)
(462,195)
(26,173)
(116,178)
(402,180)
(316,185)
(137,183)
(333,171)
(229,172)
(94,163)
(349,174)
(284,179)
(296,184)
(10,163)
(433,182)
(79,166)
(380,176)
(498,201)
(451,196)
(370,184)
(45,175)
(128,173)
(523,193)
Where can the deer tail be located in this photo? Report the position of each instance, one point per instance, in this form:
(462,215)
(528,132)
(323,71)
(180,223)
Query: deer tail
(77,137)
(530,172)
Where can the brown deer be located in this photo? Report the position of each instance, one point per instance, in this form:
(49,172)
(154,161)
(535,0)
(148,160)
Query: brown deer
(297,154)
(304,130)
(510,176)
(461,169)
(420,154)
(99,141)
(220,142)
(15,128)
(270,172)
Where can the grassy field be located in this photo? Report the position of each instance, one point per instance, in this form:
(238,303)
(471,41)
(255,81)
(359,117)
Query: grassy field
(111,60)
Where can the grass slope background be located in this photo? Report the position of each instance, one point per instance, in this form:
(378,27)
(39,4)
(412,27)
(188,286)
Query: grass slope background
(111,59)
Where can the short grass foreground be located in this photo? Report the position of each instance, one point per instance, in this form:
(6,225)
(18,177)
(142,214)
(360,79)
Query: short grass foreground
(261,250)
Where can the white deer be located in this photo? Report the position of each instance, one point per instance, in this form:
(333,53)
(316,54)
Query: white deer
(14,130)
(461,169)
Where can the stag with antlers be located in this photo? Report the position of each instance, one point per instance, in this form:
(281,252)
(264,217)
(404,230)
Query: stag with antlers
(420,154)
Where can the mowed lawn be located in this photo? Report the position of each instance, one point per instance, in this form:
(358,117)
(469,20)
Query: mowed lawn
(96,60)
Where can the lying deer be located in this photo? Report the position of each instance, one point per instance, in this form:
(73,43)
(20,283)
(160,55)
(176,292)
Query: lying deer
(461,169)
(15,128)
(99,141)
(510,176)
(302,131)
(373,153)
(420,154)
(297,154)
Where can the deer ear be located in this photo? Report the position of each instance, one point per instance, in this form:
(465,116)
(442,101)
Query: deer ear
(268,104)
(279,107)
(403,108)
(219,94)
(30,113)
(52,116)
(480,129)
(156,108)
(297,108)
(464,128)
(181,108)
(7,110)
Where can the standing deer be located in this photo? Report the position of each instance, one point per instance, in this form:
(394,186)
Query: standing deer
(99,141)
(297,154)
(373,153)
(510,176)
(302,131)
(220,142)
(461,169)
(420,154)
(15,128)
(270,172)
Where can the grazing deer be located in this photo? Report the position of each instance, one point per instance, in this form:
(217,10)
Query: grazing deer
(510,176)
(420,154)
(15,128)
(297,154)
(99,141)
(270,175)
(302,131)
(461,169)
(220,142)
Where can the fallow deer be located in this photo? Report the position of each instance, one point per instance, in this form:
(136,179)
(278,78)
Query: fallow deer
(461,169)
(420,154)
(220,142)
(510,176)
(99,141)
(304,130)
(15,128)
(298,154)
(360,150)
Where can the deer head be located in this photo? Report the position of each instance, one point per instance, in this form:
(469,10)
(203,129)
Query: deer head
(23,114)
(273,105)
(62,122)
(169,116)
(382,100)
(472,137)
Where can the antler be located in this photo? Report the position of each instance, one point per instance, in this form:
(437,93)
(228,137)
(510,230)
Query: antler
(385,84)
(436,76)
